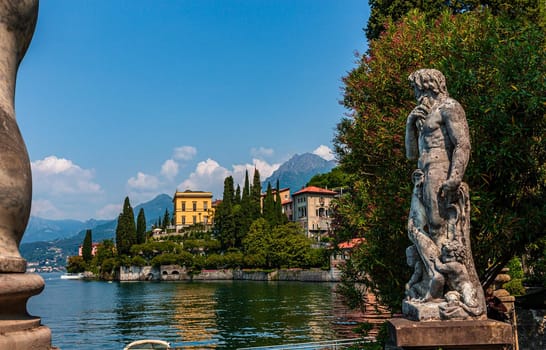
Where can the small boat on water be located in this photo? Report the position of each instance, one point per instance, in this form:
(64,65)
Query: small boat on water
(148,344)
(72,276)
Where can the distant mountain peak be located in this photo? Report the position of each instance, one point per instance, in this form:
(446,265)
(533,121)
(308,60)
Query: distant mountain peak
(298,170)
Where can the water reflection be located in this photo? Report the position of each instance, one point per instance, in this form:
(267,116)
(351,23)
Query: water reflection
(193,307)
(221,315)
(271,313)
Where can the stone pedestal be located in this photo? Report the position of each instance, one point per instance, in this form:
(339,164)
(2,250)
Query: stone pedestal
(448,335)
(18,329)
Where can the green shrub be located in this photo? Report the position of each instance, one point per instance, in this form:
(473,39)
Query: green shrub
(75,264)
(234,259)
(138,261)
(164,259)
(108,265)
(215,261)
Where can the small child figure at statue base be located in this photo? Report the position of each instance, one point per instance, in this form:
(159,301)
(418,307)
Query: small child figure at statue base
(461,299)
(417,285)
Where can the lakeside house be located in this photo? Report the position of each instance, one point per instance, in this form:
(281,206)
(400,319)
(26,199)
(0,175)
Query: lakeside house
(193,207)
(94,247)
(310,207)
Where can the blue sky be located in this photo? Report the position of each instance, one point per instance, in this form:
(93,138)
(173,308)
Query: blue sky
(135,98)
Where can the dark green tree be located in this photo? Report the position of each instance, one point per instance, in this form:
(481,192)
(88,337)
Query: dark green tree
(75,264)
(282,246)
(246,207)
(256,196)
(237,199)
(388,11)
(87,247)
(224,220)
(335,179)
(141,227)
(494,66)
(126,229)
(257,243)
(105,256)
(166,219)
(246,188)
(269,213)
(280,217)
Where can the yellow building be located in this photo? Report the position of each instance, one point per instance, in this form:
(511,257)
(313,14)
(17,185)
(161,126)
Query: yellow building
(193,207)
(283,192)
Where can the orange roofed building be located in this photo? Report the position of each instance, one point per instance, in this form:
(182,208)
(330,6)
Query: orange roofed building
(310,207)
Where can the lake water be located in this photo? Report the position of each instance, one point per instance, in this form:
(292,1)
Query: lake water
(221,315)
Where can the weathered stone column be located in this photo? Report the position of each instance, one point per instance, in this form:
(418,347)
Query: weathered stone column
(18,329)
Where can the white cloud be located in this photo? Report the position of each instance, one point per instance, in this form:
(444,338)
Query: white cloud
(264,168)
(110,211)
(62,189)
(59,176)
(184,153)
(53,165)
(262,152)
(207,176)
(169,169)
(143,182)
(45,209)
(324,152)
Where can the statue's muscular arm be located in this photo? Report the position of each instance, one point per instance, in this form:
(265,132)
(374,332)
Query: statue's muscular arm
(454,120)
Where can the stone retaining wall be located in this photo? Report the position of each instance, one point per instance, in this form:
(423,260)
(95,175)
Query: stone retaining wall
(136,273)
(179,273)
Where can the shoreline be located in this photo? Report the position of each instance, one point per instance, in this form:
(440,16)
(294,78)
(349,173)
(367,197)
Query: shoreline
(179,273)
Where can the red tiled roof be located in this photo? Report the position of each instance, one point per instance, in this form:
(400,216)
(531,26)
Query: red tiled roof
(315,189)
(355,242)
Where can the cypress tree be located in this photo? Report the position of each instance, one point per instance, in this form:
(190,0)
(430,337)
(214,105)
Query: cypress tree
(126,230)
(237,195)
(246,188)
(141,227)
(269,207)
(87,247)
(166,219)
(280,217)
(256,194)
(246,208)
(224,217)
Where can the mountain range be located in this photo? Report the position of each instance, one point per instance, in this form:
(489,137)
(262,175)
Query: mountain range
(298,170)
(44,238)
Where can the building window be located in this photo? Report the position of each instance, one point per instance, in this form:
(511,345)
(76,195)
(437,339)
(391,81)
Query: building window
(205,205)
(183,220)
(194,219)
(183,206)
(194,205)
